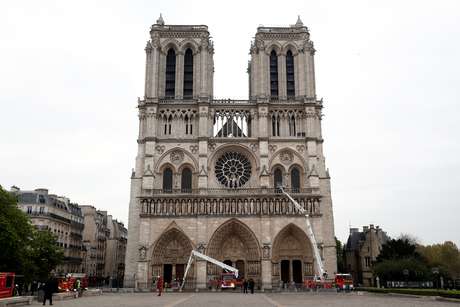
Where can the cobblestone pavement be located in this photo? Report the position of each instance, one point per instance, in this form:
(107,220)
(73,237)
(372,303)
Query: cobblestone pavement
(255,300)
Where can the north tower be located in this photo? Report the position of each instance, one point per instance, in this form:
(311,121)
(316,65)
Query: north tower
(207,170)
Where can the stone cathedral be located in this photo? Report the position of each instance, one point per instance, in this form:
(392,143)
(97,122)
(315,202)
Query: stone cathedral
(207,170)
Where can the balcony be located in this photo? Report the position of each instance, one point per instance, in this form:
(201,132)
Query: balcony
(228,202)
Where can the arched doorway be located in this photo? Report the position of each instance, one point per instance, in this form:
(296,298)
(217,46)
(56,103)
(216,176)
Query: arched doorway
(233,242)
(292,256)
(170,256)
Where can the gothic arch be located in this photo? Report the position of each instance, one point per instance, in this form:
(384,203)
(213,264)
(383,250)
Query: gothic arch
(170,43)
(292,255)
(236,147)
(291,241)
(273,46)
(188,44)
(290,46)
(235,241)
(296,159)
(187,158)
(171,249)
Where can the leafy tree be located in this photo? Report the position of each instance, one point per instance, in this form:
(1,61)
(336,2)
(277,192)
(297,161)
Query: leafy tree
(339,249)
(399,255)
(15,234)
(445,256)
(401,248)
(25,250)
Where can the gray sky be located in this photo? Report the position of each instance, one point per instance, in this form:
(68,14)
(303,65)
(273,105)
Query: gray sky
(71,72)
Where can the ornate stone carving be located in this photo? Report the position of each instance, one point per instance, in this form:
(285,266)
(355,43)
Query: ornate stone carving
(201,247)
(162,206)
(300,148)
(266,251)
(194,149)
(272,148)
(254,146)
(142,253)
(160,149)
(177,156)
(286,157)
(211,146)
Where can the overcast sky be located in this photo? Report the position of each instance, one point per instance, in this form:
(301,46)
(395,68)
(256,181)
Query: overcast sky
(71,72)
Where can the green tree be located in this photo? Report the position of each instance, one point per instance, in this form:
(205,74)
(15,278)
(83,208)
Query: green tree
(25,250)
(339,249)
(15,234)
(399,256)
(445,256)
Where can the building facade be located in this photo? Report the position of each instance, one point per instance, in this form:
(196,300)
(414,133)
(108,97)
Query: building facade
(115,252)
(207,170)
(361,252)
(62,218)
(95,236)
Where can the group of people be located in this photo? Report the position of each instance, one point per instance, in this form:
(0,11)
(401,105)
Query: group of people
(248,284)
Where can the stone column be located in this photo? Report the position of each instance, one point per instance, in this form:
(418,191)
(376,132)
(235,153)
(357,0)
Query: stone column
(179,75)
(148,70)
(201,274)
(282,88)
(203,145)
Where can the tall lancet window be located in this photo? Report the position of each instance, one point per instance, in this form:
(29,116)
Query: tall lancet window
(170,86)
(188,74)
(290,83)
(167,180)
(273,74)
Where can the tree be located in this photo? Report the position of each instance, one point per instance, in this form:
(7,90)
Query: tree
(15,234)
(397,256)
(25,250)
(445,256)
(339,250)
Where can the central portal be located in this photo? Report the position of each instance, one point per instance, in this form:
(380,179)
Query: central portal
(234,244)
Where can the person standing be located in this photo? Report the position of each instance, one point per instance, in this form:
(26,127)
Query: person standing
(49,288)
(251,285)
(160,285)
(245,286)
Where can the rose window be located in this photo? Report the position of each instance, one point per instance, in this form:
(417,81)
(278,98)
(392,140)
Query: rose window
(233,169)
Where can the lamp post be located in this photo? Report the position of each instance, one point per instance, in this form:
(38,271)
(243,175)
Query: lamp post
(435,271)
(406,275)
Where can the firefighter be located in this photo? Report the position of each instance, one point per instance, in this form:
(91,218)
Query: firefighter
(159,285)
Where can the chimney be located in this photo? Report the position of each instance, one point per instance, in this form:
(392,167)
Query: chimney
(353,230)
(365,228)
(371,226)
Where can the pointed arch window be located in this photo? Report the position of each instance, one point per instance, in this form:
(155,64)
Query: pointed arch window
(167,180)
(292,128)
(277,180)
(170,87)
(188,73)
(295,180)
(290,83)
(275,125)
(186,180)
(273,74)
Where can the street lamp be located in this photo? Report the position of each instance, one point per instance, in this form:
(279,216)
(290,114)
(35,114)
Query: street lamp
(406,275)
(435,271)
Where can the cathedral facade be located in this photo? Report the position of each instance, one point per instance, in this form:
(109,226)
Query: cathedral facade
(207,170)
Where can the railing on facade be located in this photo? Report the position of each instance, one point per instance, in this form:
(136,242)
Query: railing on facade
(236,192)
(47,214)
(161,205)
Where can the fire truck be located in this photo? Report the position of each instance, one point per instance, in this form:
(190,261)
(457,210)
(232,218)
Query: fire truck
(228,280)
(67,283)
(6,284)
(343,282)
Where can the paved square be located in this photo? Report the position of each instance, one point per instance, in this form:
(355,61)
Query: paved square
(239,300)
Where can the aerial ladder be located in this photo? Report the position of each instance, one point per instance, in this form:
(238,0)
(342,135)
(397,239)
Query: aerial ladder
(319,263)
(209,259)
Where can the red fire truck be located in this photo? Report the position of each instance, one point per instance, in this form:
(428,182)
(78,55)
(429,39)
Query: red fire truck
(229,281)
(6,284)
(343,282)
